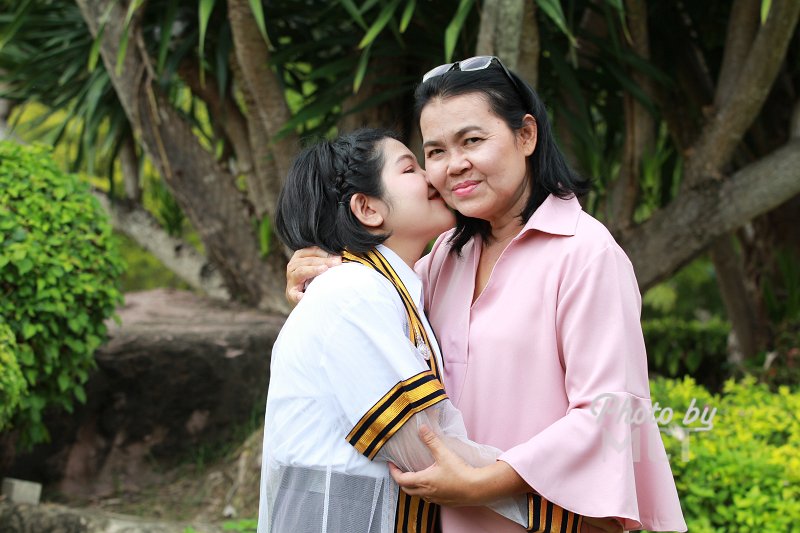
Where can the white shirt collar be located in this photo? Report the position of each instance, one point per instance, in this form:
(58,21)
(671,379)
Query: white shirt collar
(407,275)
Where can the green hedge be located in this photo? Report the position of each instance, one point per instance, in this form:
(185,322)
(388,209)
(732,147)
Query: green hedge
(12,383)
(677,347)
(743,474)
(58,276)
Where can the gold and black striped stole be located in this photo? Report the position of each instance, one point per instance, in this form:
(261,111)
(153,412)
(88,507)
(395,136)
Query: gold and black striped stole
(416,330)
(547,517)
(410,396)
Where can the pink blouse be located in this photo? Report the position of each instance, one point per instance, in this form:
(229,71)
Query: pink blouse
(549,364)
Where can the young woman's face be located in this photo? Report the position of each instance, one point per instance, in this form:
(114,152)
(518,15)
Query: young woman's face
(413,208)
(474,159)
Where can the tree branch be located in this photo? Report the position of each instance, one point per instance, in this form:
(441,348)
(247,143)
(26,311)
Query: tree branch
(677,233)
(266,89)
(176,254)
(500,31)
(529,46)
(742,27)
(725,130)
(639,126)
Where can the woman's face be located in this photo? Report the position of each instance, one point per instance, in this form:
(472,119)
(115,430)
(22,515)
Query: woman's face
(412,207)
(474,159)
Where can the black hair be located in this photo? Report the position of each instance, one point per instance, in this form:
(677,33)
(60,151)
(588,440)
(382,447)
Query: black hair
(314,203)
(509,99)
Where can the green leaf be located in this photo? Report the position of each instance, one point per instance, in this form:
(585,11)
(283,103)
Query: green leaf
(94,53)
(166,34)
(80,393)
(361,69)
(258,14)
(63,382)
(203,15)
(454,28)
(552,8)
(17,19)
(383,18)
(123,50)
(355,14)
(24,266)
(28,330)
(408,12)
(123,43)
(766,5)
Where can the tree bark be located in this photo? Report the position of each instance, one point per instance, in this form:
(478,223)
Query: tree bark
(206,192)
(529,46)
(742,28)
(745,317)
(639,127)
(677,233)
(500,30)
(267,103)
(129,162)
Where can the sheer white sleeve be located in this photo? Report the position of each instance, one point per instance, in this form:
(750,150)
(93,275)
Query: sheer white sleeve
(409,453)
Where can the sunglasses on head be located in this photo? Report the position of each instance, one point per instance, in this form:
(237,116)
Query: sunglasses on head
(471,64)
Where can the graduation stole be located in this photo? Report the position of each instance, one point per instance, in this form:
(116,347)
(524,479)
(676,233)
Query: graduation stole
(416,330)
(412,514)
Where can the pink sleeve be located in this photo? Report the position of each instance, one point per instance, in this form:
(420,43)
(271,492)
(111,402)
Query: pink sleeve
(596,460)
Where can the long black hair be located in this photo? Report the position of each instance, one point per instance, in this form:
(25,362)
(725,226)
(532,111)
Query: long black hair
(510,98)
(314,203)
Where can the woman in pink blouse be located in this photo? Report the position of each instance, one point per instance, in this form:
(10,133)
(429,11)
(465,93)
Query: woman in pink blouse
(536,309)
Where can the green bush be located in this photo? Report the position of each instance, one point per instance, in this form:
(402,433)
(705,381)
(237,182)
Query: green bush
(58,276)
(677,347)
(12,383)
(743,474)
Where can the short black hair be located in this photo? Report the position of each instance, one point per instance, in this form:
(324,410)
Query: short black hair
(314,203)
(548,170)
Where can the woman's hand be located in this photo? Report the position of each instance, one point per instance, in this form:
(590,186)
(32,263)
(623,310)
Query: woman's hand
(305,265)
(450,481)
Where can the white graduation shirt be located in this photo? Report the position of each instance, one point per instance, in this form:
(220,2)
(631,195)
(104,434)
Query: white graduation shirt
(348,391)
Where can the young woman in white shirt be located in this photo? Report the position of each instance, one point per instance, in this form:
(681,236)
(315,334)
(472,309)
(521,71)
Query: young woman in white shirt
(355,371)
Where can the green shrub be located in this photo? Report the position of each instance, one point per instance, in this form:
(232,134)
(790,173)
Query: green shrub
(12,383)
(58,276)
(743,474)
(677,347)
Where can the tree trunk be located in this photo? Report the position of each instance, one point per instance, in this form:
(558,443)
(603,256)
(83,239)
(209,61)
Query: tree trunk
(744,316)
(501,29)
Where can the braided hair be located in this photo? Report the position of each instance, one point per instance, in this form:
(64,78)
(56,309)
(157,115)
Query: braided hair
(314,203)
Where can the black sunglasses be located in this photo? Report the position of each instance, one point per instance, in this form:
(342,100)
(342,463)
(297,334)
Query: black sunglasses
(471,64)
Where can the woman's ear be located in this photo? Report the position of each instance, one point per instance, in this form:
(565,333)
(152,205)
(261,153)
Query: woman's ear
(368,210)
(528,134)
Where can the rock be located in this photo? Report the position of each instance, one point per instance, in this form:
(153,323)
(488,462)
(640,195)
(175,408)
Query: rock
(21,491)
(179,371)
(49,518)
